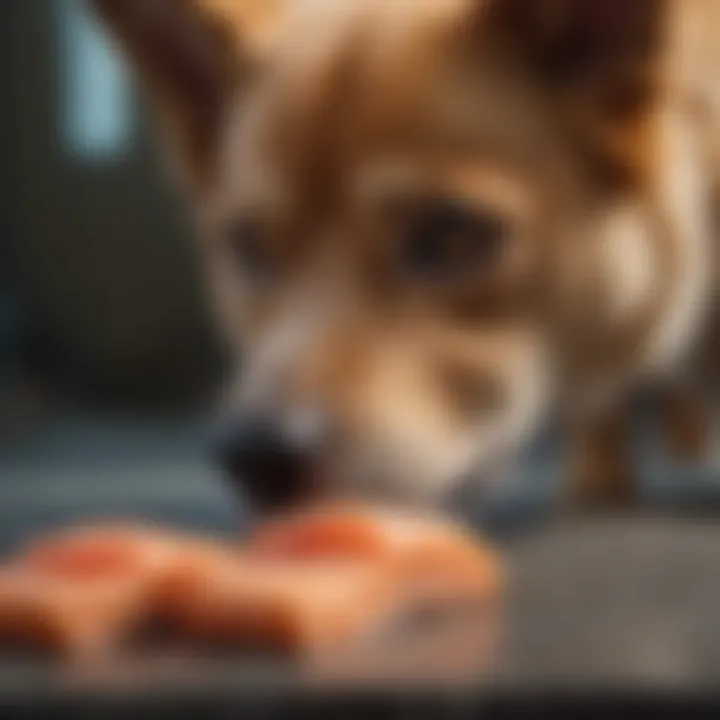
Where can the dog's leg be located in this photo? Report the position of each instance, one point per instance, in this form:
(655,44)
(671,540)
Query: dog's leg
(601,472)
(686,425)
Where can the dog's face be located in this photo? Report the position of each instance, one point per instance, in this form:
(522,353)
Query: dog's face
(396,200)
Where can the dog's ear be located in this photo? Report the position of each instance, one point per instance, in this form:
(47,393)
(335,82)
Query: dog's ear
(191,55)
(603,60)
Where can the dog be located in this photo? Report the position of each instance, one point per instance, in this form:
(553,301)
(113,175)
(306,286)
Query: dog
(429,226)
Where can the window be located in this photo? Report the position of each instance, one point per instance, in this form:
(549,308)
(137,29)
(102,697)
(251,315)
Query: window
(97,111)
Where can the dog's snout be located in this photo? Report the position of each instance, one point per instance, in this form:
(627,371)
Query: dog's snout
(276,465)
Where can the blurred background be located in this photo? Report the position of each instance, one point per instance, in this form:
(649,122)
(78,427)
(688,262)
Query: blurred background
(107,367)
(108,370)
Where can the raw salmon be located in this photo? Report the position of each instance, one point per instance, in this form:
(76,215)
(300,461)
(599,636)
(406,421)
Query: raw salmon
(327,577)
(317,579)
(433,556)
(290,606)
(89,588)
(103,551)
(66,616)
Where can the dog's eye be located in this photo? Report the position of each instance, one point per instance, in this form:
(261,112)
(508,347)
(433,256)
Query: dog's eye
(445,239)
(250,249)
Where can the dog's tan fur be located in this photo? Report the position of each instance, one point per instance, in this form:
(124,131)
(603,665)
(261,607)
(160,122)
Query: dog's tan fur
(311,115)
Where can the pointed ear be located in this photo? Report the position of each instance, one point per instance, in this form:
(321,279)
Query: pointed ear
(603,59)
(191,55)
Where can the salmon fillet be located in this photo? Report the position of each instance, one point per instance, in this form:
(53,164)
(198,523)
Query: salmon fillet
(287,606)
(88,589)
(432,557)
(66,616)
(109,550)
(314,580)
(327,577)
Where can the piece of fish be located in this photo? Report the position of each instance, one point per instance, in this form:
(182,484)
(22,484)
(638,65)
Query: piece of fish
(67,616)
(431,556)
(317,579)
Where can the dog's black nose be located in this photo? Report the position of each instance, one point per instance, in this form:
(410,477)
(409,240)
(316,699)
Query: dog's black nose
(275,467)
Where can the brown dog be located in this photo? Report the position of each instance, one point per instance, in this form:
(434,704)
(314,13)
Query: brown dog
(429,224)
